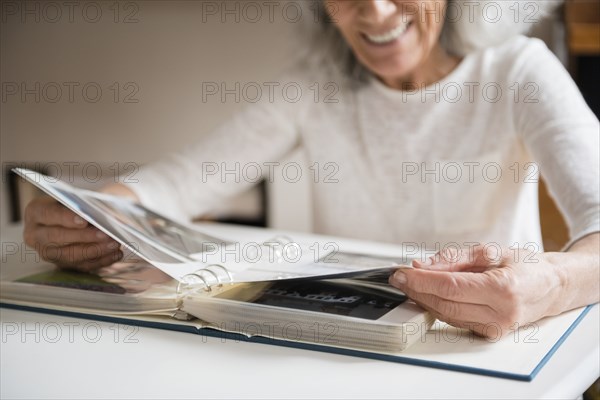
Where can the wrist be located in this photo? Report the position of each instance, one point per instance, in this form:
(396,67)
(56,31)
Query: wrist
(559,280)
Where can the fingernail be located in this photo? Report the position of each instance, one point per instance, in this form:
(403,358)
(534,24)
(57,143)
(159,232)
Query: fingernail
(101,235)
(118,256)
(78,220)
(399,277)
(113,245)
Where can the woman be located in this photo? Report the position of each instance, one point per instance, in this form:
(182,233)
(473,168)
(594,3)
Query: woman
(427,147)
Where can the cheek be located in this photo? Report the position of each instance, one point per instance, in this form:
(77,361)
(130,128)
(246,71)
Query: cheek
(429,28)
(432,21)
(345,23)
(340,15)
(338,11)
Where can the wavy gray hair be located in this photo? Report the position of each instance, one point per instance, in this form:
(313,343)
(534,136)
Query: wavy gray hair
(469,26)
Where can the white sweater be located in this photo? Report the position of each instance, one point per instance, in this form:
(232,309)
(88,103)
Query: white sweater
(457,161)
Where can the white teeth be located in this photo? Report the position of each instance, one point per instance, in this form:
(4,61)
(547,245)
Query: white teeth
(391,35)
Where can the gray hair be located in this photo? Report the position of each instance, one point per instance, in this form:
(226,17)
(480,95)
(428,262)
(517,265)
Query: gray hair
(468,26)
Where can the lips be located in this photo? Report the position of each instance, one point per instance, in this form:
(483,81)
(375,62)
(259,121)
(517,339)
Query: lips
(389,36)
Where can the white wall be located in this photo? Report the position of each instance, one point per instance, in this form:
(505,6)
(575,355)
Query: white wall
(168,53)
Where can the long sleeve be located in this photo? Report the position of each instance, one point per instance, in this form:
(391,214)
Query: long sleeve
(562,135)
(224,163)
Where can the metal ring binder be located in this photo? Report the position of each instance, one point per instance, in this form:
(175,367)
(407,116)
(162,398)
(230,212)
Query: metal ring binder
(213,274)
(205,281)
(186,277)
(279,245)
(223,268)
(206,284)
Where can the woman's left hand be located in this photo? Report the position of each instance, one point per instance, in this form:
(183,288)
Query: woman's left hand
(488,293)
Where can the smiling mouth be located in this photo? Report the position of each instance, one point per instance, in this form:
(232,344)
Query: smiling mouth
(390,35)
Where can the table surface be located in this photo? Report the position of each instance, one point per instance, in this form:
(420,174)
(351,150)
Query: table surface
(48,356)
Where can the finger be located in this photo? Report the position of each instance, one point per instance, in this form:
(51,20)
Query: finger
(465,287)
(91,265)
(77,253)
(472,259)
(60,236)
(447,310)
(47,211)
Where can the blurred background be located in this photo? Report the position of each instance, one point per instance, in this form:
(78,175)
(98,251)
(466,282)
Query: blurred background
(102,87)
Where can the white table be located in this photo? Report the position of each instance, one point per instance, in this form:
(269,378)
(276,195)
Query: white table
(59,357)
(92,361)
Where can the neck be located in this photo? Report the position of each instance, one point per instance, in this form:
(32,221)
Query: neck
(437,66)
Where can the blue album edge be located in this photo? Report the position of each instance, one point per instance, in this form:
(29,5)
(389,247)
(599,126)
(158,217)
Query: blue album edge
(314,347)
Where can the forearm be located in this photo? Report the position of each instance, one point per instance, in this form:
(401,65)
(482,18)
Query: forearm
(579,272)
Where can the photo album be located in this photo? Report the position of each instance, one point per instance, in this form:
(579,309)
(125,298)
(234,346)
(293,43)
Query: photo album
(175,270)
(249,284)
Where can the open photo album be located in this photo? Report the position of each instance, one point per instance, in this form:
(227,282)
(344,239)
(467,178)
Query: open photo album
(243,284)
(176,270)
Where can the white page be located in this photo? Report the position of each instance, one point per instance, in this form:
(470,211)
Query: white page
(125,222)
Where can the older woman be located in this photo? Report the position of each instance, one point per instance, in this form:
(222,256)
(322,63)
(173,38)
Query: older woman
(428,146)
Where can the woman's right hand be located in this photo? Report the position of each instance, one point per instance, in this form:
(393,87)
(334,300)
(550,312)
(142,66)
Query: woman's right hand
(62,237)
